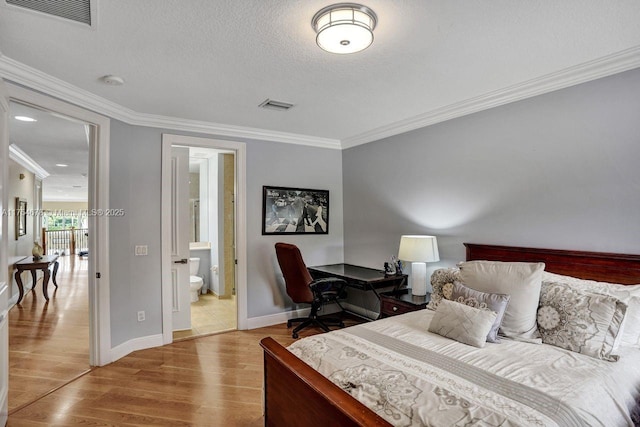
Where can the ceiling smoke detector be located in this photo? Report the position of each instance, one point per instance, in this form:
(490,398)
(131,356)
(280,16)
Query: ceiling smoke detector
(112,80)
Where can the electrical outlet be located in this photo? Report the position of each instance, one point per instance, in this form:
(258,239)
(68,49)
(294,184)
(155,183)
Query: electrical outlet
(141,250)
(141,316)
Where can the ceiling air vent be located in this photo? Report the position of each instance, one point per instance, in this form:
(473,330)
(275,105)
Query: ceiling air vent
(75,10)
(276,105)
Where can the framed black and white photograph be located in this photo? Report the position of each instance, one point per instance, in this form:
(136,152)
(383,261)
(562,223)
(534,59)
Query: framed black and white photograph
(287,210)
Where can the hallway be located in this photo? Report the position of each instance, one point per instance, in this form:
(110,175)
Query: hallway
(49,341)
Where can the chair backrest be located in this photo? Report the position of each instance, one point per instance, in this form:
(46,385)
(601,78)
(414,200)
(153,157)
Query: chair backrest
(294,270)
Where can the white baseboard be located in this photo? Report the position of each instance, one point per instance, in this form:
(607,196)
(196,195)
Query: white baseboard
(276,319)
(135,344)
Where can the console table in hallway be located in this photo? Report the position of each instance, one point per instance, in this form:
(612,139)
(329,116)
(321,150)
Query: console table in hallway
(34,265)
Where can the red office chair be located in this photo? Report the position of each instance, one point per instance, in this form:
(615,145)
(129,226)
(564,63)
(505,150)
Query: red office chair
(301,288)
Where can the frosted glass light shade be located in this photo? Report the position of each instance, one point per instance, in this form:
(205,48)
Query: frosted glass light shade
(344,28)
(418,250)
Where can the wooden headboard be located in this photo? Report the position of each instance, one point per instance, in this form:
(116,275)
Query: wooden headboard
(601,266)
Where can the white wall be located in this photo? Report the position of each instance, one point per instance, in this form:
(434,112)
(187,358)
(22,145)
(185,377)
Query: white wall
(558,171)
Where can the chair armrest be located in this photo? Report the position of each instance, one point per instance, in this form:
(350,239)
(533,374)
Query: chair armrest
(328,284)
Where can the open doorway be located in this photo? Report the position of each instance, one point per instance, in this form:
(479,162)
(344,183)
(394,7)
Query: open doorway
(211,303)
(92,333)
(48,173)
(202,236)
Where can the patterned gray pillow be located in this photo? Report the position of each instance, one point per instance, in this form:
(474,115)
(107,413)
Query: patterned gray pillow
(587,323)
(442,283)
(482,300)
(462,323)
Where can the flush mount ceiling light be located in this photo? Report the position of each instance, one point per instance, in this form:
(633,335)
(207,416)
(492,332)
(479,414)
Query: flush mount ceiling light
(344,27)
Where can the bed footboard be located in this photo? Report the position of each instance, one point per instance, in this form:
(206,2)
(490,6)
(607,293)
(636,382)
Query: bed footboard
(297,395)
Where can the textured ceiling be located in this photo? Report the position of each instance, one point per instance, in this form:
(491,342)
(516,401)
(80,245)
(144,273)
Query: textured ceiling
(215,61)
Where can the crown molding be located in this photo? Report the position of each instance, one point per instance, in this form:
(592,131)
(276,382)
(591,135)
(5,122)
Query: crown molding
(32,78)
(602,67)
(24,160)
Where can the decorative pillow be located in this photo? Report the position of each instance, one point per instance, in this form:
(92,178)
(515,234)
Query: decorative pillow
(628,294)
(462,323)
(442,283)
(521,281)
(583,322)
(484,301)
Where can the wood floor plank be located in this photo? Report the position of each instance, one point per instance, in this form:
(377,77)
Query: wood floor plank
(214,380)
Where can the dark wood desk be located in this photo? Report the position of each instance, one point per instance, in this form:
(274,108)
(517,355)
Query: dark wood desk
(42,264)
(362,278)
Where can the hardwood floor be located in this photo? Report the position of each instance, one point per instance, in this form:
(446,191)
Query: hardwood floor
(49,341)
(214,380)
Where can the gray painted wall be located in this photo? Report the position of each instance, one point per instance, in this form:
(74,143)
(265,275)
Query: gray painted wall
(558,171)
(288,166)
(135,178)
(134,185)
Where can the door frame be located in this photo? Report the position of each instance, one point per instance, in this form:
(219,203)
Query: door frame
(4,221)
(98,175)
(240,224)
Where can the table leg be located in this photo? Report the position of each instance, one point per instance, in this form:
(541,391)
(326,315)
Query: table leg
(45,282)
(55,272)
(34,279)
(20,288)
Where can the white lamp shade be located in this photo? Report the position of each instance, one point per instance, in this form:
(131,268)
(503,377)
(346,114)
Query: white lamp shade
(418,249)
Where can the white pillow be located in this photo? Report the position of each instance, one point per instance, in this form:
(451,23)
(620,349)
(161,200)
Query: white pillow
(521,281)
(628,294)
(460,322)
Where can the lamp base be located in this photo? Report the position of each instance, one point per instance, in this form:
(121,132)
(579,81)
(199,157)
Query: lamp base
(418,278)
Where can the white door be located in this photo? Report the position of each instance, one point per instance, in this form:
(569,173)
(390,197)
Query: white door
(180,238)
(4,290)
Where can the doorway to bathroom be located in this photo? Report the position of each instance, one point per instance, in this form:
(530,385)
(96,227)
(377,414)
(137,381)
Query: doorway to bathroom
(200,203)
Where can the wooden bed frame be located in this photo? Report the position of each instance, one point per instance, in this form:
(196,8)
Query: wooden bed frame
(297,395)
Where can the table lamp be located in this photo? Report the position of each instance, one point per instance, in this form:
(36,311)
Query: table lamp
(418,250)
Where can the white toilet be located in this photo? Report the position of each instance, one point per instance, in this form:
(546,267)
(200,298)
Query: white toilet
(195,282)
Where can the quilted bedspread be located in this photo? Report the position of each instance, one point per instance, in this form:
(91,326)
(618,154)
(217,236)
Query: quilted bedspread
(412,377)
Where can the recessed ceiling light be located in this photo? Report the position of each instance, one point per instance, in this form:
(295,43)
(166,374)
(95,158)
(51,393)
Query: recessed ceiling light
(61,165)
(25,119)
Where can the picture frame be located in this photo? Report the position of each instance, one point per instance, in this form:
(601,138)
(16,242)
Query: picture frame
(21,217)
(291,210)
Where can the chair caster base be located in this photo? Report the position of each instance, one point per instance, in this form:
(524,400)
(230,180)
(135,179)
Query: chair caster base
(294,335)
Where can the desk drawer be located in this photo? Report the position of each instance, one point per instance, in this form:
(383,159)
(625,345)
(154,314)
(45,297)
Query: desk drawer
(391,307)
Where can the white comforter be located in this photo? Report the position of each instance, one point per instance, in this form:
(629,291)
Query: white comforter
(412,377)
